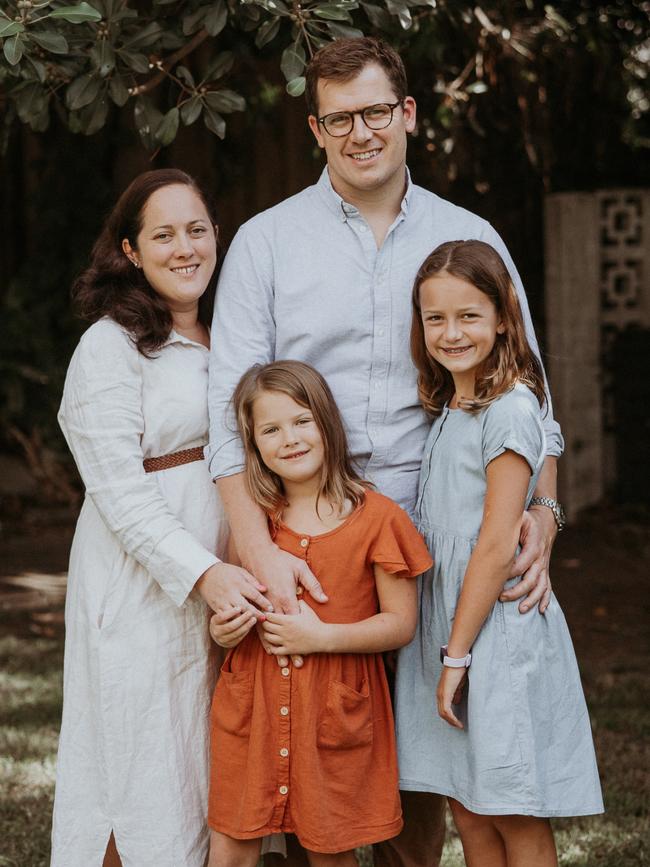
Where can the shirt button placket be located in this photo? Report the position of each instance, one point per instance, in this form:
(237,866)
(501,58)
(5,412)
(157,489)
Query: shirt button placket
(284,741)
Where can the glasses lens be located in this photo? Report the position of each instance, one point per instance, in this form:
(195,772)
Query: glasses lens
(338,124)
(378,116)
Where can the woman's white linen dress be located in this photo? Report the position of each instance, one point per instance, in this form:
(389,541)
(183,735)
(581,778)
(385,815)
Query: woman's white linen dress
(138,677)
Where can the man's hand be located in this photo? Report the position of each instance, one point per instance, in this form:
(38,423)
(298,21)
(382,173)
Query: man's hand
(285,576)
(224,587)
(289,634)
(450,688)
(538,532)
(230,627)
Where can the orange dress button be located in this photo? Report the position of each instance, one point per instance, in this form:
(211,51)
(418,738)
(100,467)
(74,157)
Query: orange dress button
(304,543)
(285,672)
(283,790)
(284,711)
(299,590)
(284,752)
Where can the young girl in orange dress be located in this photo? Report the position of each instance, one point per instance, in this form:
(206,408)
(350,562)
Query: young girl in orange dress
(310,750)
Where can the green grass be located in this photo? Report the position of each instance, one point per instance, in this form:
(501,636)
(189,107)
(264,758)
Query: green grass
(30,707)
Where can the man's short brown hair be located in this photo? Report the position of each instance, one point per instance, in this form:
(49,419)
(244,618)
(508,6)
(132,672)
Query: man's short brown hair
(344,59)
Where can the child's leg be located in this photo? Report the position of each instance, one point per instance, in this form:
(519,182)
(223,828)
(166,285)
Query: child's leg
(483,845)
(227,852)
(340,859)
(528,840)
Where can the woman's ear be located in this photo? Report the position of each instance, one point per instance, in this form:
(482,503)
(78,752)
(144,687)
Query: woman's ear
(130,253)
(501,328)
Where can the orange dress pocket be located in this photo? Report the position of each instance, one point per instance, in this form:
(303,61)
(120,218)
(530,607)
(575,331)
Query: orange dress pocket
(232,705)
(346,720)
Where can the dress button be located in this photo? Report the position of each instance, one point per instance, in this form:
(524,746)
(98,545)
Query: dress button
(284,711)
(283,790)
(304,543)
(299,590)
(284,752)
(285,672)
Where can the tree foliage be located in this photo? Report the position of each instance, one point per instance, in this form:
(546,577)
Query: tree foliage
(86,59)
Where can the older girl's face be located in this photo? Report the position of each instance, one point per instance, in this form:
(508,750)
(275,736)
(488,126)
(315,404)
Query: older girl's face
(176,247)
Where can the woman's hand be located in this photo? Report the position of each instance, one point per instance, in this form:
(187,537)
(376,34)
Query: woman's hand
(450,689)
(287,634)
(225,587)
(228,628)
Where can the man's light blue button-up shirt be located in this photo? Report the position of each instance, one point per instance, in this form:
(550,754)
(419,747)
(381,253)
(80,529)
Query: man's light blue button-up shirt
(305,280)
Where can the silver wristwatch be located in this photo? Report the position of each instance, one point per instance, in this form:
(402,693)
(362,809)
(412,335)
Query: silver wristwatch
(555,507)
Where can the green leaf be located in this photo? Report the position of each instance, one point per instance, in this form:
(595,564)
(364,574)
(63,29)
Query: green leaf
(277,7)
(10,28)
(194,22)
(30,101)
(134,60)
(94,117)
(377,16)
(216,18)
(342,31)
(220,66)
(332,12)
(13,49)
(39,68)
(293,61)
(267,32)
(103,57)
(296,87)
(185,75)
(214,122)
(76,14)
(168,127)
(51,41)
(118,90)
(82,91)
(191,109)
(226,101)
(146,37)
(147,118)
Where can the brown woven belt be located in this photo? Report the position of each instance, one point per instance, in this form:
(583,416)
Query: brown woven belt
(164,462)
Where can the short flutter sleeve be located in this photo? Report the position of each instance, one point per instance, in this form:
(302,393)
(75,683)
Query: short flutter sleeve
(396,545)
(513,423)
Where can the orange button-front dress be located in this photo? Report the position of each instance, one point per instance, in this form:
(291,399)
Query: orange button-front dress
(311,750)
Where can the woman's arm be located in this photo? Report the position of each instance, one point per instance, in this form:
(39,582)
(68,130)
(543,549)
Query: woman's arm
(489,567)
(393,627)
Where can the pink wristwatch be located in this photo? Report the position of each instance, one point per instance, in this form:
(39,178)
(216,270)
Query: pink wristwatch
(452,662)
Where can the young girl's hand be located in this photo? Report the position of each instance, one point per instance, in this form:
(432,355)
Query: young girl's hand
(294,633)
(229,627)
(450,688)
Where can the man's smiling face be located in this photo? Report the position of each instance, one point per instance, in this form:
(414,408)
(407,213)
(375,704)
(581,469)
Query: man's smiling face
(365,160)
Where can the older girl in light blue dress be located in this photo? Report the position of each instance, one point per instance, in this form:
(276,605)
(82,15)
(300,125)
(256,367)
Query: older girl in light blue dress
(496,719)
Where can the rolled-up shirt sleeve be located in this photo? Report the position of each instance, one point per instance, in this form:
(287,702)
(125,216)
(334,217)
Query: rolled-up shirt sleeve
(243,334)
(102,420)
(554,439)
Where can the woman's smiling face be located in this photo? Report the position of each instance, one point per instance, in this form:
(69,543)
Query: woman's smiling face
(176,246)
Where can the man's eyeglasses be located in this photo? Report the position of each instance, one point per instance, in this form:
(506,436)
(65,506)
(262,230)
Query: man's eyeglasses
(340,123)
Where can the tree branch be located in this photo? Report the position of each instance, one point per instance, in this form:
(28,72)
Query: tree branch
(171,61)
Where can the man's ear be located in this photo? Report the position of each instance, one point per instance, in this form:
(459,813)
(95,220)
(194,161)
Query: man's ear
(409,109)
(314,126)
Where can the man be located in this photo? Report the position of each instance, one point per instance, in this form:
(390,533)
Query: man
(326,277)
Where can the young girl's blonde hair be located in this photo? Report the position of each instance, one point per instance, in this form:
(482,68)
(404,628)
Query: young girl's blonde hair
(339,482)
(511,359)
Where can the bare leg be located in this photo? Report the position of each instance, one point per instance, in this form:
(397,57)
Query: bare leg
(483,845)
(528,840)
(111,858)
(340,859)
(420,842)
(227,852)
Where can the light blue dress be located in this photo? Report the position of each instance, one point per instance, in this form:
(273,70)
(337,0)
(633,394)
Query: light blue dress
(526,747)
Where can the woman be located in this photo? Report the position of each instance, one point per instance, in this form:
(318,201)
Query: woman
(138,675)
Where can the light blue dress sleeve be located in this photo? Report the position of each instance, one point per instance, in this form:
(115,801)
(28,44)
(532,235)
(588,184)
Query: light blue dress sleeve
(513,423)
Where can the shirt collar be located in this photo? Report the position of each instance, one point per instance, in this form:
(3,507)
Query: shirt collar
(343,209)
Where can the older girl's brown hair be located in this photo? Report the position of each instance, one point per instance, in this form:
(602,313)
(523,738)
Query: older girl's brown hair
(112,286)
(511,359)
(339,481)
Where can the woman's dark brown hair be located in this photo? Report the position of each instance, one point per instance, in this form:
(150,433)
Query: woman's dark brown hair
(339,481)
(112,286)
(511,359)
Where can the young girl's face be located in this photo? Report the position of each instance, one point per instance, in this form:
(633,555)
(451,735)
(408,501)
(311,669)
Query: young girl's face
(460,323)
(287,437)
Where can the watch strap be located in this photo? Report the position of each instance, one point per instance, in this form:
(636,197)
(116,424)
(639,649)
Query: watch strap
(452,661)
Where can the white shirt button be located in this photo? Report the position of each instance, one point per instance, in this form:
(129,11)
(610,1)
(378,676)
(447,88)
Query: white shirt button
(304,543)
(284,752)
(283,790)
(381,332)
(285,672)
(284,711)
